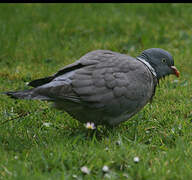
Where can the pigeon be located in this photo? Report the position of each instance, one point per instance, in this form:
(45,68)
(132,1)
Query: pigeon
(103,87)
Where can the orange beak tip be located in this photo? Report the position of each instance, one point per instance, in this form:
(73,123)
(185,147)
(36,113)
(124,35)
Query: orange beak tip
(176,72)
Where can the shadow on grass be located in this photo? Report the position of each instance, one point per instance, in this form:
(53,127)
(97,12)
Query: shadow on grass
(18,137)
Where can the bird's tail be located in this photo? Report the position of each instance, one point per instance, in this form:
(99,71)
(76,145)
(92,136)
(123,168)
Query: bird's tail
(25,94)
(32,93)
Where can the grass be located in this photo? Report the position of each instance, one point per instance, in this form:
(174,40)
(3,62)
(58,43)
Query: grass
(36,40)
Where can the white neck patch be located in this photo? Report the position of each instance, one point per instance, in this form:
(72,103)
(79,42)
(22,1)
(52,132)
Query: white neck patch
(148,65)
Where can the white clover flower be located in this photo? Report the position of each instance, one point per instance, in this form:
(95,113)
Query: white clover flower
(90,125)
(106,149)
(175,81)
(75,176)
(136,159)
(16,157)
(85,170)
(105,168)
(46,124)
(118,142)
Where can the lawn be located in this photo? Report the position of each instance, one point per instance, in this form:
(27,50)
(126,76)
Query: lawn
(39,142)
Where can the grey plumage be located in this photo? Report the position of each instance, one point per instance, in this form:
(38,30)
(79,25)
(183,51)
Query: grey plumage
(103,87)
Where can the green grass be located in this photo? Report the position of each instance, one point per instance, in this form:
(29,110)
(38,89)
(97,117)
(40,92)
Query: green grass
(36,40)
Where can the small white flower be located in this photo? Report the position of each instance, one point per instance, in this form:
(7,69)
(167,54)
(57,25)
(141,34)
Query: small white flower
(74,176)
(175,81)
(90,125)
(16,157)
(106,149)
(85,170)
(136,159)
(118,142)
(46,124)
(105,168)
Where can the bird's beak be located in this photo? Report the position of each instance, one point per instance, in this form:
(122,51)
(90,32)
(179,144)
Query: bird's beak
(176,72)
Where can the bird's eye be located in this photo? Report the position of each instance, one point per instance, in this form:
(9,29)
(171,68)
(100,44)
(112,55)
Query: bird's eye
(164,60)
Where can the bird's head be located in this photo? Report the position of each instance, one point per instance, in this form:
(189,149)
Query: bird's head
(161,61)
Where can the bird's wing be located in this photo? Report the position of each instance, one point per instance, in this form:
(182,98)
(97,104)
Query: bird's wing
(90,58)
(60,84)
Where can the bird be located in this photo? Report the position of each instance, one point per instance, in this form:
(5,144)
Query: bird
(103,87)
